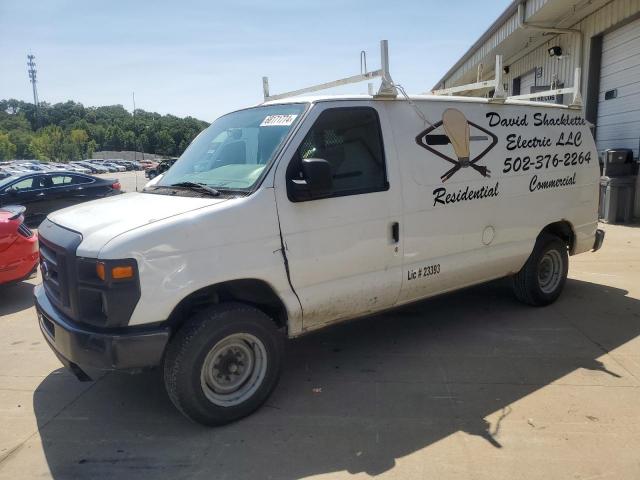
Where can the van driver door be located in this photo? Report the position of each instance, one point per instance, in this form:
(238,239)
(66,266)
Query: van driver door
(344,250)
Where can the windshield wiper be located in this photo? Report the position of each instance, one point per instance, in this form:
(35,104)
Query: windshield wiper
(199,187)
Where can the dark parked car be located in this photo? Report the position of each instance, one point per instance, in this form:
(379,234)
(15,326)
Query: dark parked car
(43,193)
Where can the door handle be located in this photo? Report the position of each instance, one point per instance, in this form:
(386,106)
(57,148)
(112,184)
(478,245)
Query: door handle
(395,232)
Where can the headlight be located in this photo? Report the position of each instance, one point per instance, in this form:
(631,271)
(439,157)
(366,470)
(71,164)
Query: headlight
(108,291)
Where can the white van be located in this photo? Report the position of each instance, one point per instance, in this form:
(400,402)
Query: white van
(301,213)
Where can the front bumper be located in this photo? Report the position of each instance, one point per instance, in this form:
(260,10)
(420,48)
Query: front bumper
(80,348)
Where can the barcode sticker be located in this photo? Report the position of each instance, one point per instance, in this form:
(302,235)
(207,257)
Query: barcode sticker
(278,120)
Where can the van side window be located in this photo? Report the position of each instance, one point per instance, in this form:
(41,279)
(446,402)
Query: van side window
(351,141)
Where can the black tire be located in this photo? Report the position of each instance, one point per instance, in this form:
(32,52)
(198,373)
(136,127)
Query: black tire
(527,284)
(189,351)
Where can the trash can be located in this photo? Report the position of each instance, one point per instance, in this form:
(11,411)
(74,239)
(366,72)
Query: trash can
(617,196)
(618,162)
(617,186)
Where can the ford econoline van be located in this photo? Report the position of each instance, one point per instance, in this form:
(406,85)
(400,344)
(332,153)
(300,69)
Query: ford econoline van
(300,213)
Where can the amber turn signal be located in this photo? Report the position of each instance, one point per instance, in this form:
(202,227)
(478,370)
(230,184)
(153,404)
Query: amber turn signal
(122,273)
(100,271)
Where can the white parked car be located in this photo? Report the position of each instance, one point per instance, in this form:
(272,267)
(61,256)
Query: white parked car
(298,214)
(18,169)
(76,167)
(118,167)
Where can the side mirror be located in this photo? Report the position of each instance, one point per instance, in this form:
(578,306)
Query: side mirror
(317,182)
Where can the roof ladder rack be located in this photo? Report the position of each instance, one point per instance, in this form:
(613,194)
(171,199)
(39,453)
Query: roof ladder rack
(576,99)
(387,88)
(500,95)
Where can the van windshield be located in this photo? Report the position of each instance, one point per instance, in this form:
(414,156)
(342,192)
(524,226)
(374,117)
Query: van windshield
(234,150)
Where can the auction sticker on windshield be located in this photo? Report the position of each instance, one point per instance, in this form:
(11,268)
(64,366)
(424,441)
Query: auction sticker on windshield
(278,120)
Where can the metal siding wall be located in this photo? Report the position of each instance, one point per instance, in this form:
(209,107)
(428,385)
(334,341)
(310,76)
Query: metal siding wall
(619,118)
(496,39)
(604,19)
(533,6)
(562,67)
(596,23)
(503,32)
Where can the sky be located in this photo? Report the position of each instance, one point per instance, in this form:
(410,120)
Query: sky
(206,58)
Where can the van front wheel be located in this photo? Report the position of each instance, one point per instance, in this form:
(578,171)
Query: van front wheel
(542,278)
(223,363)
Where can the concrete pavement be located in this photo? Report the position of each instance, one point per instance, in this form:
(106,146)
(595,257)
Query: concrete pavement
(471,385)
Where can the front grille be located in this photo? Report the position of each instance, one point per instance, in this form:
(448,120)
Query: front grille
(54,275)
(25,231)
(57,264)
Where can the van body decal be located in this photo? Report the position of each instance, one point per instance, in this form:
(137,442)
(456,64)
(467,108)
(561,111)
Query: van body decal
(443,197)
(536,184)
(455,129)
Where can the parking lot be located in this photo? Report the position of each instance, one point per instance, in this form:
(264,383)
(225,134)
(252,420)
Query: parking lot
(130,181)
(471,385)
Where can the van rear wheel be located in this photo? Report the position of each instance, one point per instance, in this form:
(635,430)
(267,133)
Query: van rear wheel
(223,363)
(542,278)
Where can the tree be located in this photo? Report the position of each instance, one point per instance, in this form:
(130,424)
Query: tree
(49,144)
(143,143)
(69,130)
(166,145)
(79,139)
(129,140)
(113,138)
(91,148)
(22,140)
(7,149)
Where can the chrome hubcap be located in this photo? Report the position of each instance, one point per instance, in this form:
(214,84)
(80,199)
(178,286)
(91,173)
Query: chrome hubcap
(233,369)
(550,271)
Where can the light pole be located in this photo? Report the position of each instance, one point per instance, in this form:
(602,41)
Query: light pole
(32,78)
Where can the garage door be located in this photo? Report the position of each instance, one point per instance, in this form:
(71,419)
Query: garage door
(527,81)
(619,96)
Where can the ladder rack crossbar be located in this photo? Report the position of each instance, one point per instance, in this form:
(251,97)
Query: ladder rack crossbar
(545,93)
(465,88)
(387,88)
(324,86)
(499,94)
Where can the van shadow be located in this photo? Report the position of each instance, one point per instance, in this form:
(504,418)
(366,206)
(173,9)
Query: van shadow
(356,397)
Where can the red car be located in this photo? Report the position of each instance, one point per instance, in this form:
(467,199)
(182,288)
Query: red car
(18,246)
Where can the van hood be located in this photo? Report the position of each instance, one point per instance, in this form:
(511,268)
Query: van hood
(101,220)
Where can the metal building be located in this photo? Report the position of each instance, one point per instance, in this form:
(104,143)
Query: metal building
(543,41)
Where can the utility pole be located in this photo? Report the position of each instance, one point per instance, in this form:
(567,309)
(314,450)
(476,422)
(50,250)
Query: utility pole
(32,78)
(138,143)
(135,132)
